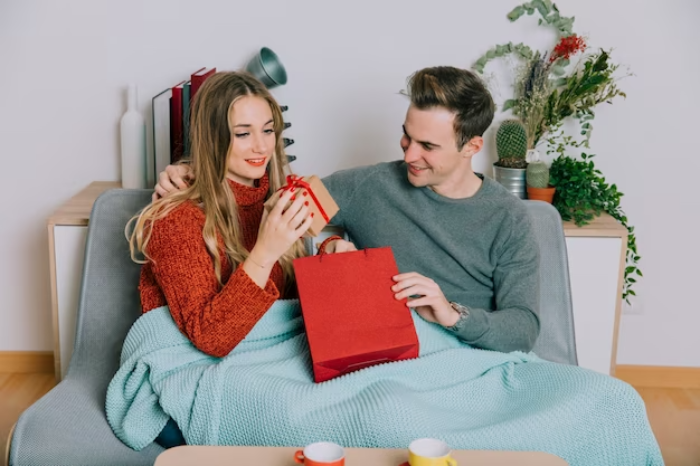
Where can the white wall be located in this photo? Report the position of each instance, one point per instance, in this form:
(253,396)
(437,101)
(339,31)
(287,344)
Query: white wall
(64,65)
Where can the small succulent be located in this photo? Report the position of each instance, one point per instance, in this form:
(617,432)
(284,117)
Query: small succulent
(537,174)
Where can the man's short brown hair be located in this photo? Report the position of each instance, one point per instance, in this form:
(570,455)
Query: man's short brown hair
(459,91)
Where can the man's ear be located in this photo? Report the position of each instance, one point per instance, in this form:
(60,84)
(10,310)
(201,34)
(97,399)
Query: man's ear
(473,146)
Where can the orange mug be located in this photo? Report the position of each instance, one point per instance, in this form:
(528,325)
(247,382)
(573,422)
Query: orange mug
(321,454)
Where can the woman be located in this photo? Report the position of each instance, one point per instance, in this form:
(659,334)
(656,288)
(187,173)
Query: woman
(211,255)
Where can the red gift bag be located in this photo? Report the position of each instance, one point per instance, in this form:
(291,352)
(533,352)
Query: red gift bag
(351,317)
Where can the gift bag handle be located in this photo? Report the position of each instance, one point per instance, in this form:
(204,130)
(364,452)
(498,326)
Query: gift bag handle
(323,253)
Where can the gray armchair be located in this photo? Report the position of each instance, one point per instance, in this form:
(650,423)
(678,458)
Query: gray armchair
(68,425)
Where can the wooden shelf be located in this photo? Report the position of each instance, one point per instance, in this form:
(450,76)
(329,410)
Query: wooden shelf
(604,226)
(599,235)
(76,211)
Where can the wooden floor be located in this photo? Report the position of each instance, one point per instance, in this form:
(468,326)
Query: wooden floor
(674,414)
(17,392)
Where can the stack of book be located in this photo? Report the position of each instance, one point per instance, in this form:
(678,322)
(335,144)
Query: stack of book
(171,119)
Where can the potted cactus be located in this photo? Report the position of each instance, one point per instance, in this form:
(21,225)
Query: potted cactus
(537,177)
(511,146)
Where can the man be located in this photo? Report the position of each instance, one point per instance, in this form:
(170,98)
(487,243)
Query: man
(464,244)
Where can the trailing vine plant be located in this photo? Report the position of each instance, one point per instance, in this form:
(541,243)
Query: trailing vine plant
(583,193)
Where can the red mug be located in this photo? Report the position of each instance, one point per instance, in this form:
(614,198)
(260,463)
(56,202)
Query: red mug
(321,454)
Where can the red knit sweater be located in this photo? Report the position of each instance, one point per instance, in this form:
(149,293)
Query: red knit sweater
(181,275)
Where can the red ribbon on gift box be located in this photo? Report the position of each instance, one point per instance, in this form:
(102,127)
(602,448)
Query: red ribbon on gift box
(294,182)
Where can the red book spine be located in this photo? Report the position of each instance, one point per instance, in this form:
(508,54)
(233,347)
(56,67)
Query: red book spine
(198,79)
(177,146)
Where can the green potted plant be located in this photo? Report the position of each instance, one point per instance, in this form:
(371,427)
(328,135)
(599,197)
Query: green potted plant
(549,90)
(511,146)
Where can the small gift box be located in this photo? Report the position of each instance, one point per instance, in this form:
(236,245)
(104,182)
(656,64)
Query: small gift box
(320,201)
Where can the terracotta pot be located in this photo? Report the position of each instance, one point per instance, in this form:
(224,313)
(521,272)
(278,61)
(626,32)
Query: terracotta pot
(541,194)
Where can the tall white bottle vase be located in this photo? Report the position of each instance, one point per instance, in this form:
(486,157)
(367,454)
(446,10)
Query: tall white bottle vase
(133,144)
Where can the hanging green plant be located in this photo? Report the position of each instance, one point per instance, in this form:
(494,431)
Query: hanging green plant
(549,15)
(582,193)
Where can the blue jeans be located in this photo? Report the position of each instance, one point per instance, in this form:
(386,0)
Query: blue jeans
(170,436)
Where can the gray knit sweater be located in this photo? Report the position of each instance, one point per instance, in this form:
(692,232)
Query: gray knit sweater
(481,250)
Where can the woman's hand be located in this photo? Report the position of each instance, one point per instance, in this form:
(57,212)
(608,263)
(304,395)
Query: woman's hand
(280,229)
(426,297)
(173,179)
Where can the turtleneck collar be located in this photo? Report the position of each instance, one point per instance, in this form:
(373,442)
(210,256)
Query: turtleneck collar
(250,195)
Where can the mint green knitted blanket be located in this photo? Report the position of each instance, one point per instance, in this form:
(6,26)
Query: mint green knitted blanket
(263,393)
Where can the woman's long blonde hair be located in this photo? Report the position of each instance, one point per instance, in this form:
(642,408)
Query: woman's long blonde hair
(210,136)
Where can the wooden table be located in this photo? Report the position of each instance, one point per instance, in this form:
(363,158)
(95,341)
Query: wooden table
(284,456)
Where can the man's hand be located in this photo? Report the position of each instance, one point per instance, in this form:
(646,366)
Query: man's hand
(426,297)
(339,245)
(173,179)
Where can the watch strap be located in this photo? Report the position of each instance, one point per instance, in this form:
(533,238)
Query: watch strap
(463,316)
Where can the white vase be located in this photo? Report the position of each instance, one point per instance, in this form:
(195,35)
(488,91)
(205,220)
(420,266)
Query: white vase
(533,155)
(133,144)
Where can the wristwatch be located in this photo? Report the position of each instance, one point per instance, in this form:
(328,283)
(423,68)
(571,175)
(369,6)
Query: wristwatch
(463,314)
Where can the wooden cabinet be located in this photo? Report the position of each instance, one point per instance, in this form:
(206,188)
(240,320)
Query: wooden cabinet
(67,229)
(596,265)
